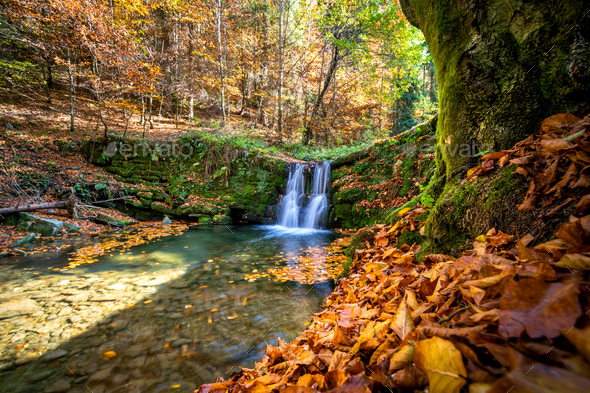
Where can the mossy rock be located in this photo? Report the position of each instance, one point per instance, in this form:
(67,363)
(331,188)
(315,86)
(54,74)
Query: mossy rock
(72,227)
(204,220)
(145,195)
(25,217)
(221,219)
(164,209)
(134,202)
(112,221)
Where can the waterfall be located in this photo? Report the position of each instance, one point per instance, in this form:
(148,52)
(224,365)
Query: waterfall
(292,213)
(291,202)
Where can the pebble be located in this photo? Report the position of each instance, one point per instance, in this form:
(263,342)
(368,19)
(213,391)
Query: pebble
(58,353)
(58,387)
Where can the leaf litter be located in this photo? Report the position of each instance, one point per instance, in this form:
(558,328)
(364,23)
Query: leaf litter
(503,315)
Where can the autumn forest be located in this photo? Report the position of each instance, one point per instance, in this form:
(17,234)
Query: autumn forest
(295,196)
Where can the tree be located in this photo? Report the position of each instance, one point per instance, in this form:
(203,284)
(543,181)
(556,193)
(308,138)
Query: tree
(501,68)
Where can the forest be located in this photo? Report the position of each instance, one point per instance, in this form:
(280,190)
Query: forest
(296,196)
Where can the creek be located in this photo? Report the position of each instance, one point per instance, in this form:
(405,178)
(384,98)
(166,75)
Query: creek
(164,316)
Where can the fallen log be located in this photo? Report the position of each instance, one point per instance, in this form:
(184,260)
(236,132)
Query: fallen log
(48,205)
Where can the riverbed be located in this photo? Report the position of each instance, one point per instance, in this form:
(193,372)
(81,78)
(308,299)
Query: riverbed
(164,316)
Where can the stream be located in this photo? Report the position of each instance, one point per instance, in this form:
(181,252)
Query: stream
(164,316)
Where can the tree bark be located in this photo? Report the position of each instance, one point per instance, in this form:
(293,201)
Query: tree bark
(502,67)
(280,100)
(219,45)
(308,131)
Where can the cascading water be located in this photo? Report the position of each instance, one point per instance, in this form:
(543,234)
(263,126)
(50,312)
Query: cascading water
(292,213)
(291,202)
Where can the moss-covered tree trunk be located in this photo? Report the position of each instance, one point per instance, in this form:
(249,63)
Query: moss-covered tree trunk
(502,67)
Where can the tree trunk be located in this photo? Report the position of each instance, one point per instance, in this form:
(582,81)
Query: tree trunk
(502,67)
(219,45)
(71,77)
(280,100)
(308,131)
(191,105)
(150,112)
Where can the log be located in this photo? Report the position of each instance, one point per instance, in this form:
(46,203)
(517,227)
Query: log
(49,205)
(33,207)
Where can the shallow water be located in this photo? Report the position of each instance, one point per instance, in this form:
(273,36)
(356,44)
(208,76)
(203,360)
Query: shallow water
(168,315)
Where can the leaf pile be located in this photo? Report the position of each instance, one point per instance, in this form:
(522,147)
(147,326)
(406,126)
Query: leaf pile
(556,160)
(505,316)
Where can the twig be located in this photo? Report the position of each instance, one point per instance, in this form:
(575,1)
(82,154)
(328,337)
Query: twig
(453,314)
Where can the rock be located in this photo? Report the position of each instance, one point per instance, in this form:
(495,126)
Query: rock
(117,287)
(100,375)
(24,227)
(119,379)
(112,221)
(221,219)
(24,240)
(20,252)
(9,126)
(204,220)
(163,208)
(166,221)
(52,355)
(180,342)
(46,227)
(175,315)
(25,358)
(119,325)
(18,307)
(25,217)
(40,376)
(72,227)
(60,386)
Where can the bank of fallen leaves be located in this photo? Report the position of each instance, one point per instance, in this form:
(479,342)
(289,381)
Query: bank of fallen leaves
(556,161)
(505,316)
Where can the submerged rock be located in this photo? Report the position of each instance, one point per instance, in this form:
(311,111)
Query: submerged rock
(13,308)
(27,239)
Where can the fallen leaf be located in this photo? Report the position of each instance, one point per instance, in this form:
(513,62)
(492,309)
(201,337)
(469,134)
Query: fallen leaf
(442,363)
(539,307)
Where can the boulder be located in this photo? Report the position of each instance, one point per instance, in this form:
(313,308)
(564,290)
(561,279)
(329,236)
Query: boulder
(112,221)
(72,227)
(163,208)
(27,239)
(46,227)
(24,227)
(166,221)
(25,217)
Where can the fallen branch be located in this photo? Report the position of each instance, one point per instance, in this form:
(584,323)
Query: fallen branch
(49,205)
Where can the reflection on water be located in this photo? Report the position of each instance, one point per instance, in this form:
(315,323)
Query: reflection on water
(177,311)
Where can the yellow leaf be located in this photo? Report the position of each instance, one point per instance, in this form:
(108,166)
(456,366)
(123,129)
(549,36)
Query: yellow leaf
(401,358)
(403,324)
(403,212)
(175,386)
(442,363)
(575,261)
